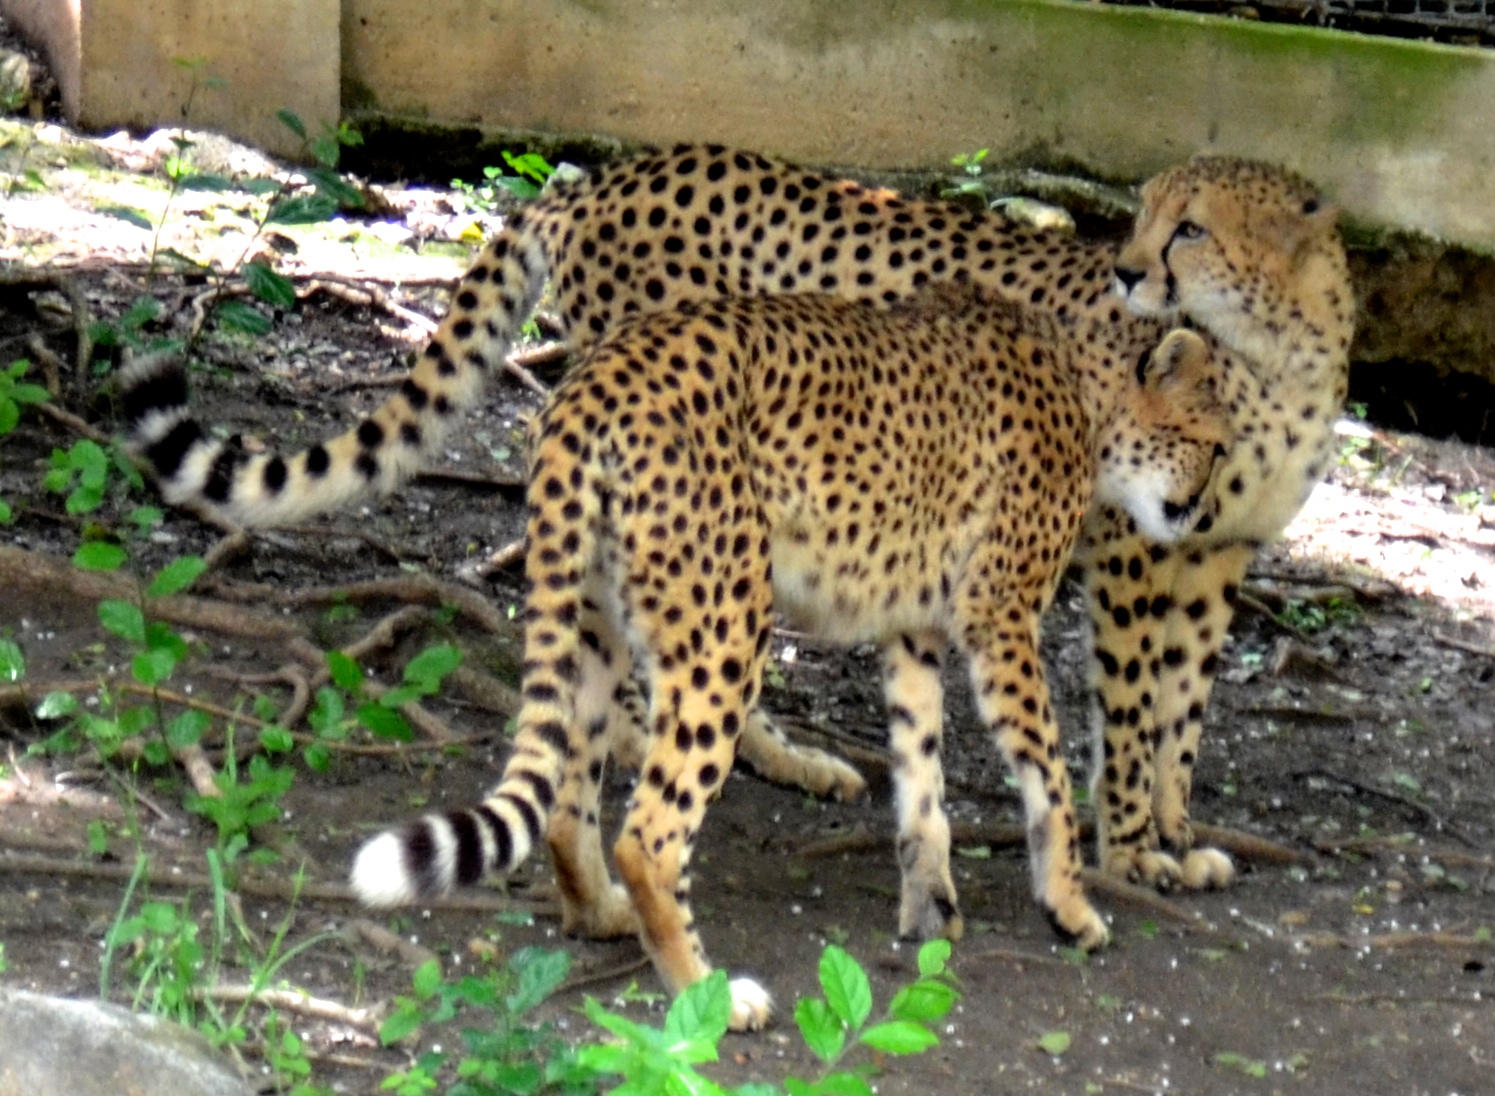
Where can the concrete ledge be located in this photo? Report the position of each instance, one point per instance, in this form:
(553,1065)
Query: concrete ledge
(1397,131)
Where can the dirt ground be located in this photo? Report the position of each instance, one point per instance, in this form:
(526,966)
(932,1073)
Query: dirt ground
(1352,725)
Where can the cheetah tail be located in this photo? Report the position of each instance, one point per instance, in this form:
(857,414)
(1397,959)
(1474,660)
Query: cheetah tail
(433,854)
(492,301)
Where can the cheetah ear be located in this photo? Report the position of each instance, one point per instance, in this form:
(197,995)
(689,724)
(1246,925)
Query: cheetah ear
(1179,363)
(1294,231)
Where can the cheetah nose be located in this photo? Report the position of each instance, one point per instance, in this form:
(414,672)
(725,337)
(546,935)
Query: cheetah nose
(1127,278)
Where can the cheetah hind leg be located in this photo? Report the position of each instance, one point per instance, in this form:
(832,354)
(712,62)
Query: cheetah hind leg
(763,747)
(1203,602)
(592,904)
(915,700)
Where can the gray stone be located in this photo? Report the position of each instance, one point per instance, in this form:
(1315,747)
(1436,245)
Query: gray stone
(51,1046)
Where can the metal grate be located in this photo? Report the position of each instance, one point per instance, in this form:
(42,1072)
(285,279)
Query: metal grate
(1471,22)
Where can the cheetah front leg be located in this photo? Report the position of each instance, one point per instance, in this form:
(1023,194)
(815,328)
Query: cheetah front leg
(1129,583)
(1204,596)
(915,702)
(1012,695)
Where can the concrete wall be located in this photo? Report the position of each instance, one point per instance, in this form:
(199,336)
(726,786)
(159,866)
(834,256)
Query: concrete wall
(1400,132)
(121,62)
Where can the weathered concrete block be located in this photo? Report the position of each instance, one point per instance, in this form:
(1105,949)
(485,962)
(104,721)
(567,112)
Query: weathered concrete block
(1398,131)
(118,62)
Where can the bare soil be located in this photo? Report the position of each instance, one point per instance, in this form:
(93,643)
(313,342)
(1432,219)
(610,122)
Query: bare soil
(1352,726)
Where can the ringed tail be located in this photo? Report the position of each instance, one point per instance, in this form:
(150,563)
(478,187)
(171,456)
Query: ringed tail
(491,303)
(430,856)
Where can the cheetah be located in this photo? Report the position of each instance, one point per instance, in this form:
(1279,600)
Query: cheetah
(1246,252)
(908,477)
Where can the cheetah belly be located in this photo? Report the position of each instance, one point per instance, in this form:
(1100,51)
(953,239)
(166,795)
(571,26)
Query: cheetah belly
(850,596)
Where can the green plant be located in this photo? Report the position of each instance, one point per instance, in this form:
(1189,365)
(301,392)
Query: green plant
(1251,1067)
(15,394)
(378,714)
(530,170)
(969,164)
(652,1060)
(503,1052)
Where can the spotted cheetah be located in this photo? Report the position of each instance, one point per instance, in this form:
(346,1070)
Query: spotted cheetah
(909,477)
(1247,252)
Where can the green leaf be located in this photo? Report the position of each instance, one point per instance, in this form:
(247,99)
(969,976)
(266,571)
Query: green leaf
(933,956)
(57,705)
(305,209)
(384,722)
(242,318)
(29,393)
(318,758)
(432,665)
(176,576)
(899,1037)
(276,740)
(187,729)
(124,619)
(702,1011)
(842,1084)
(847,989)
(153,667)
(268,286)
(824,1032)
(400,1025)
(345,673)
(541,972)
(1054,1042)
(12,661)
(292,121)
(925,1000)
(128,215)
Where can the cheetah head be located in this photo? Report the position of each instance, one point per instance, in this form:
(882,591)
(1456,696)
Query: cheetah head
(1161,448)
(1233,245)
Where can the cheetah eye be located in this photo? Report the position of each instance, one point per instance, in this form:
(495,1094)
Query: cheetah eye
(1188,230)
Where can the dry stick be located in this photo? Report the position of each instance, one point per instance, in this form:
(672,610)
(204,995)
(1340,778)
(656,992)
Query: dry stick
(623,970)
(21,569)
(1248,846)
(1464,645)
(255,886)
(368,296)
(289,1000)
(1390,940)
(71,421)
(390,943)
(1339,846)
(1145,897)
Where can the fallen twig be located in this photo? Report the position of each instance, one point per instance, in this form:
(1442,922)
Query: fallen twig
(289,1000)
(623,970)
(390,942)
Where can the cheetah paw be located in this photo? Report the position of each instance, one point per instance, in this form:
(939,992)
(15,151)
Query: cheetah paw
(1206,869)
(609,918)
(1146,866)
(752,1008)
(1080,925)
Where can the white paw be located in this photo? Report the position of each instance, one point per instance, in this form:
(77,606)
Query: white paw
(1206,869)
(752,1008)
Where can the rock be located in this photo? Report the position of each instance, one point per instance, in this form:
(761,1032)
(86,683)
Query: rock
(52,1046)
